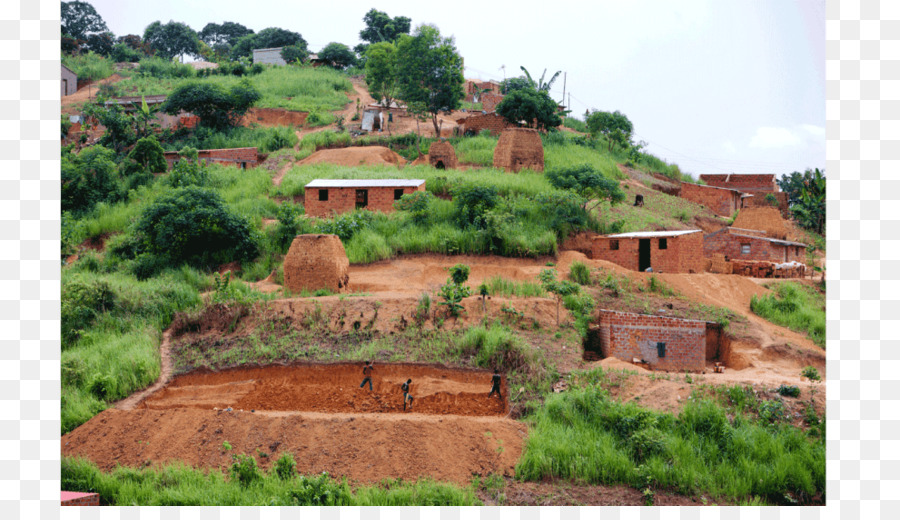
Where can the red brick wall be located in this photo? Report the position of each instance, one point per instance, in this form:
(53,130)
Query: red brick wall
(342,200)
(727,243)
(721,201)
(757,182)
(760,201)
(683,254)
(489,101)
(90,499)
(477,123)
(626,336)
(234,156)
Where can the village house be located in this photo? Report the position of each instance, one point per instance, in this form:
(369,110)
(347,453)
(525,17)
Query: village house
(327,196)
(662,251)
(722,201)
(749,244)
(68,82)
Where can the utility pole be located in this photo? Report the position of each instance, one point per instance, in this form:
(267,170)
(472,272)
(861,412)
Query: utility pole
(569,107)
(564,87)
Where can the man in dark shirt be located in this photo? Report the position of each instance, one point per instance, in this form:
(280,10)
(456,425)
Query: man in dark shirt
(367,372)
(495,384)
(406,396)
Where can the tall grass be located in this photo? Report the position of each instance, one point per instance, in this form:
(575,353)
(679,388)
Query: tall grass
(499,286)
(181,485)
(475,150)
(796,307)
(583,434)
(265,139)
(89,66)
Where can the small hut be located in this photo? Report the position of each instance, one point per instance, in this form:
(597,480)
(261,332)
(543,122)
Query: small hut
(519,149)
(316,262)
(442,156)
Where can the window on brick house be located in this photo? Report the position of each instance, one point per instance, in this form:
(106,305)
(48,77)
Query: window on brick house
(613,245)
(745,249)
(663,243)
(660,349)
(243,166)
(398,193)
(323,195)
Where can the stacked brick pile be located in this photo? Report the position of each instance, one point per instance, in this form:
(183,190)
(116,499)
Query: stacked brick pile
(719,265)
(759,201)
(758,269)
(766,219)
(489,101)
(442,155)
(519,149)
(474,124)
(71,498)
(316,262)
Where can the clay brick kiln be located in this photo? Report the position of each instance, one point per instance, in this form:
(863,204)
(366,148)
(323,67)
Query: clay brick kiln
(766,219)
(519,149)
(316,262)
(442,156)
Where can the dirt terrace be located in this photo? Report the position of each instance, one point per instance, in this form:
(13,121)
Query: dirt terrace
(320,415)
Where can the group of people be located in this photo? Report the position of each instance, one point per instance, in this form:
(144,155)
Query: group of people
(408,398)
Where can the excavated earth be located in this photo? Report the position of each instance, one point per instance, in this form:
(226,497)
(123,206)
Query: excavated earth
(318,413)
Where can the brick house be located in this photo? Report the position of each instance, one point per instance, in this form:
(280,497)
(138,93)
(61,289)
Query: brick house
(327,196)
(663,251)
(722,201)
(489,101)
(748,244)
(68,82)
(475,123)
(662,342)
(474,89)
(745,182)
(243,158)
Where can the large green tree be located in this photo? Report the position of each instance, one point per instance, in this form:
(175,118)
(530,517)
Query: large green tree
(809,209)
(172,39)
(268,38)
(540,84)
(430,71)
(80,20)
(381,28)
(222,37)
(531,106)
(337,55)
(88,178)
(216,106)
(615,126)
(588,183)
(382,72)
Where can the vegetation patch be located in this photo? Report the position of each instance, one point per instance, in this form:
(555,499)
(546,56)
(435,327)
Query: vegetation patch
(794,306)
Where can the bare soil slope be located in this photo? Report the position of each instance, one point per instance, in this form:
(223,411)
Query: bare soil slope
(356,156)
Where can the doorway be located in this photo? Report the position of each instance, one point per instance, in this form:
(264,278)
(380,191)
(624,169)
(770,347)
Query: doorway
(643,254)
(362,198)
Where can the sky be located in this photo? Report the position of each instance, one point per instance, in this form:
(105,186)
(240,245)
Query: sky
(715,87)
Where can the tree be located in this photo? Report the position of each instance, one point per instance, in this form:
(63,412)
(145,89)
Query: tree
(454,291)
(540,85)
(531,106)
(430,70)
(149,154)
(101,43)
(88,178)
(472,202)
(122,52)
(226,33)
(792,185)
(615,126)
(80,20)
(588,183)
(381,28)
(338,55)
(559,288)
(382,72)
(192,225)
(512,84)
(216,107)
(172,39)
(268,38)
(120,126)
(810,207)
(294,54)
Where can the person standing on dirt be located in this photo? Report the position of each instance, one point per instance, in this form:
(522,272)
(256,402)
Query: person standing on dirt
(367,372)
(406,396)
(495,384)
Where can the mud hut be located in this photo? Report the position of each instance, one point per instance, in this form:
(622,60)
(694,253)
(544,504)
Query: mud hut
(316,262)
(442,156)
(519,149)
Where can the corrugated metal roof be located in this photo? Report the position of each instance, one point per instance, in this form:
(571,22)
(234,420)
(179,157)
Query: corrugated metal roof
(775,240)
(365,183)
(646,234)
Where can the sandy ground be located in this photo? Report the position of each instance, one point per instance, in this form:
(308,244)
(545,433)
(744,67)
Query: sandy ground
(71,104)
(356,156)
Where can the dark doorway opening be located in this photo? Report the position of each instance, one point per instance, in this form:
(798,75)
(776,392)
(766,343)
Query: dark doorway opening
(439,165)
(362,198)
(643,254)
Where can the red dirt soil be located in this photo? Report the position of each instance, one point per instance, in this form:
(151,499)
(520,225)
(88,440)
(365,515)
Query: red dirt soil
(356,156)
(180,423)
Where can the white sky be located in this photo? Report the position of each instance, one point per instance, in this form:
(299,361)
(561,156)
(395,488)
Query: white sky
(716,87)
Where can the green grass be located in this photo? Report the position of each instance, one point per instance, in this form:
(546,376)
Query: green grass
(794,306)
(499,286)
(575,124)
(180,485)
(89,66)
(265,139)
(582,434)
(315,90)
(475,150)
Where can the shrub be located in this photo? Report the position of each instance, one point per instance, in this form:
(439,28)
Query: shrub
(81,302)
(580,273)
(454,291)
(788,391)
(216,107)
(88,178)
(245,470)
(472,202)
(191,225)
(149,154)
(284,466)
(810,373)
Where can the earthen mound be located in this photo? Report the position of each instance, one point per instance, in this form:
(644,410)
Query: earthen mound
(273,117)
(519,149)
(355,156)
(441,155)
(316,262)
(766,219)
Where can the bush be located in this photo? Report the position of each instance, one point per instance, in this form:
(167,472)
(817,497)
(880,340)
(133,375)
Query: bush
(810,373)
(580,273)
(81,302)
(88,178)
(284,466)
(149,154)
(472,202)
(245,470)
(216,107)
(163,68)
(191,225)
(788,391)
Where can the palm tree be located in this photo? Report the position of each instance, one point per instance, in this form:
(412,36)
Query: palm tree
(540,85)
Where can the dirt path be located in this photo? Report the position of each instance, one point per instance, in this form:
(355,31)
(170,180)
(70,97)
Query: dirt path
(165,373)
(71,103)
